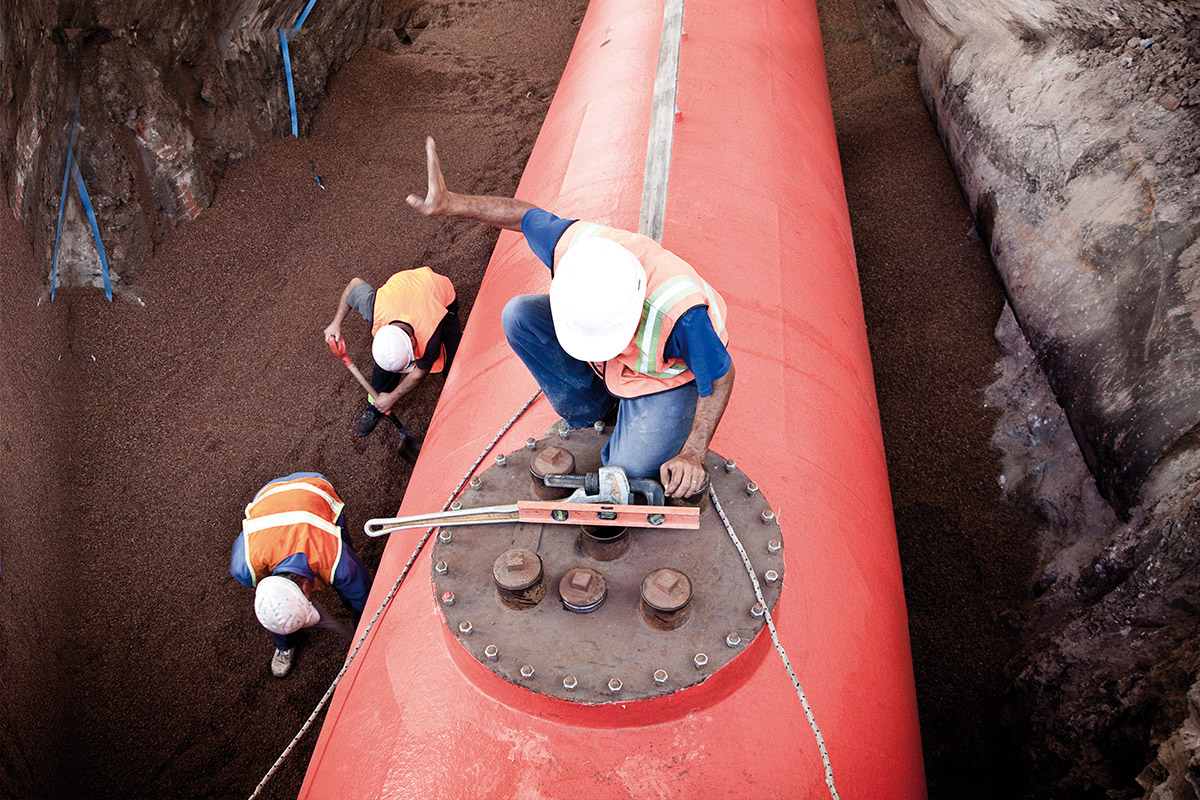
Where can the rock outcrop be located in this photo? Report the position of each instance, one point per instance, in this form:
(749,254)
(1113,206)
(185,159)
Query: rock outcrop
(166,97)
(1074,129)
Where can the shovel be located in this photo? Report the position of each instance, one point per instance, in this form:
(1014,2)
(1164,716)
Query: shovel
(410,447)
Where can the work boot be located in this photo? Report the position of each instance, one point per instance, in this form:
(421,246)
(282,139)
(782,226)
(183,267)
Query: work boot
(281,662)
(367,422)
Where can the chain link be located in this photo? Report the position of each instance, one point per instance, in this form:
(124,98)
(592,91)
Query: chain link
(812,722)
(395,586)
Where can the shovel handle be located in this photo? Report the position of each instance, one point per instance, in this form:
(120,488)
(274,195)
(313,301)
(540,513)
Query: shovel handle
(338,348)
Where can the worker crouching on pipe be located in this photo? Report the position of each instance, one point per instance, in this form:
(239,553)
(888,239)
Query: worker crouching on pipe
(415,329)
(292,543)
(640,335)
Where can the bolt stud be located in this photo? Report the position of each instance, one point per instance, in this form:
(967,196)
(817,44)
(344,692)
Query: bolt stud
(476,482)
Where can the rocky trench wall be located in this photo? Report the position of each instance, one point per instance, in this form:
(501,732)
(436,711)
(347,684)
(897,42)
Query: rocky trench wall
(168,96)
(1073,129)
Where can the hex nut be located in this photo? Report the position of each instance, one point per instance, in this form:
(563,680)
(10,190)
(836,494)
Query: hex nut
(771,576)
(456,505)
(569,682)
(444,535)
(701,660)
(757,610)
(751,488)
(501,459)
(599,426)
(491,652)
(441,568)
(774,546)
(565,433)
(526,671)
(476,482)
(660,677)
(465,627)
(768,517)
(530,443)
(733,640)
(730,465)
(447,598)
(614,685)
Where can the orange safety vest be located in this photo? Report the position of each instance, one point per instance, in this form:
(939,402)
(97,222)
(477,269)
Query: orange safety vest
(673,288)
(289,517)
(418,297)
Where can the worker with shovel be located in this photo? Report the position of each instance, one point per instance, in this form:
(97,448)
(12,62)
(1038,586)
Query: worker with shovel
(414,322)
(292,543)
(629,331)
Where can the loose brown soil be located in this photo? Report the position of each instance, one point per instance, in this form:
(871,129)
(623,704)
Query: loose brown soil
(132,663)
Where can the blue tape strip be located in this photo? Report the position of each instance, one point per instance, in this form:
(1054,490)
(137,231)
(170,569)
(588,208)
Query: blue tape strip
(62,200)
(62,204)
(304,15)
(287,69)
(91,215)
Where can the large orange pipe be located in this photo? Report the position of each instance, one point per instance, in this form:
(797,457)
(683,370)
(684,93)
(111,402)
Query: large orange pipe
(756,204)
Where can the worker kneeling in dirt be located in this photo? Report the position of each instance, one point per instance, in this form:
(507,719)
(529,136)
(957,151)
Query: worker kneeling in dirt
(291,543)
(629,331)
(414,322)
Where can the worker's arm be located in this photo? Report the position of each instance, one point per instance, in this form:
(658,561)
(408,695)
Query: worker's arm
(333,332)
(385,401)
(499,212)
(683,475)
(352,580)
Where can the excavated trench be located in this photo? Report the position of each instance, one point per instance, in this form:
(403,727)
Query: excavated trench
(135,430)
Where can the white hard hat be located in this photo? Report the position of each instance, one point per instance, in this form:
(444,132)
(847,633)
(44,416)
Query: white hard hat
(392,349)
(281,606)
(596,299)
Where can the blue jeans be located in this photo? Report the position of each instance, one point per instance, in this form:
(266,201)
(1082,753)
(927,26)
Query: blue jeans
(650,429)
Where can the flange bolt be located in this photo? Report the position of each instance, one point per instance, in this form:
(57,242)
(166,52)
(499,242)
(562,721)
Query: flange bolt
(701,661)
(751,488)
(526,671)
(614,685)
(441,568)
(771,576)
(447,598)
(733,640)
(491,652)
(465,627)
(660,677)
(569,682)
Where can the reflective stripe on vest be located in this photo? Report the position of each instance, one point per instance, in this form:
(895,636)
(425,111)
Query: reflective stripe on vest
(649,330)
(278,526)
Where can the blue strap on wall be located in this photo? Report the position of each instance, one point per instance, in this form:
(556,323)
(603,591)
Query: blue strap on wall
(62,200)
(287,69)
(304,15)
(91,215)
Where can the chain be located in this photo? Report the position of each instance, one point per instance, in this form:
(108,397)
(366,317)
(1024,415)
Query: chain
(812,722)
(395,586)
